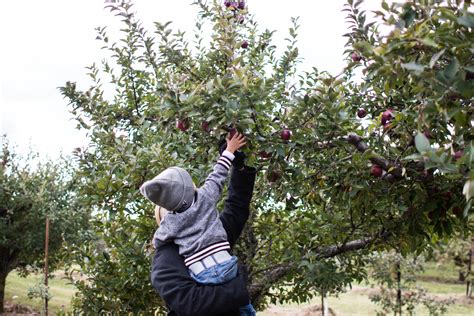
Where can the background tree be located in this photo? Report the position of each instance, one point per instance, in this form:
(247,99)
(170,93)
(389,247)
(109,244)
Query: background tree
(380,154)
(395,277)
(30,190)
(460,250)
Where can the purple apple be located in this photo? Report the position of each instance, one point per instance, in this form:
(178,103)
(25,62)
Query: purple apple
(458,154)
(355,57)
(376,171)
(232,132)
(244,44)
(227,3)
(285,134)
(387,116)
(182,125)
(205,126)
(361,113)
(241,5)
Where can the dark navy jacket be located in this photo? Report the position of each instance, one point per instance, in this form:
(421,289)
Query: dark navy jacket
(171,279)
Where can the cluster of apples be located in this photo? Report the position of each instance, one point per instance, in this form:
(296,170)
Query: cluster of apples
(236,6)
(387,116)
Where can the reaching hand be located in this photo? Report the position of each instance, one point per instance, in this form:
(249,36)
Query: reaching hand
(235,142)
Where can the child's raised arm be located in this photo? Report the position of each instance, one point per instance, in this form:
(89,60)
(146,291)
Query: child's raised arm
(215,181)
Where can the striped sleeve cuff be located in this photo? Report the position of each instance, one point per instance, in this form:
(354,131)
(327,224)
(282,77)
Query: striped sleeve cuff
(226,159)
(228,154)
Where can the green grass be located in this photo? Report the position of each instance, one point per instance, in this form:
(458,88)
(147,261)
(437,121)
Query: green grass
(61,290)
(445,272)
(354,303)
(358,304)
(436,279)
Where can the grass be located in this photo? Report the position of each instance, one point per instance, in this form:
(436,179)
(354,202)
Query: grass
(357,304)
(436,279)
(17,292)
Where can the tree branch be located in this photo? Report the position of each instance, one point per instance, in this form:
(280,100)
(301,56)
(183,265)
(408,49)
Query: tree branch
(386,165)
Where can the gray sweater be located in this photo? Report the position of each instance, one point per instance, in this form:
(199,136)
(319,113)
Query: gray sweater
(198,231)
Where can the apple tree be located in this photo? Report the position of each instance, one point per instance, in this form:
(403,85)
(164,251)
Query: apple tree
(377,157)
(30,191)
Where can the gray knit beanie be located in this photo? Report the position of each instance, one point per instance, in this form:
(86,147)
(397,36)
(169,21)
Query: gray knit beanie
(172,189)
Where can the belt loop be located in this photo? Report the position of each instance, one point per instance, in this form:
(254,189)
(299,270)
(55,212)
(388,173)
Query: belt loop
(215,261)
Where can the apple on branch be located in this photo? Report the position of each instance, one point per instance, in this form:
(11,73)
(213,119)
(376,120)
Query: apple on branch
(182,125)
(286,134)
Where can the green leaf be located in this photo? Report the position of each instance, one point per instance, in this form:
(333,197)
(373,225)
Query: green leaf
(429,42)
(467,20)
(414,157)
(416,68)
(422,143)
(435,57)
(451,70)
(468,189)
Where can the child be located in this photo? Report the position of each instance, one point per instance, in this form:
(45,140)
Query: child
(188,217)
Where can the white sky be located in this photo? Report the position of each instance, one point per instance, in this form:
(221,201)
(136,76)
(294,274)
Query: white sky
(46,43)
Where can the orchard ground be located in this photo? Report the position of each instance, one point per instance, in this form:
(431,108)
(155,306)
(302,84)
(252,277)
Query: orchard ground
(439,280)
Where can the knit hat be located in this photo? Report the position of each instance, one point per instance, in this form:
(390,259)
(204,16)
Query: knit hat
(172,189)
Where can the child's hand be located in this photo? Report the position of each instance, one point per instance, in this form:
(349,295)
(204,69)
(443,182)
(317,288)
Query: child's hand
(235,142)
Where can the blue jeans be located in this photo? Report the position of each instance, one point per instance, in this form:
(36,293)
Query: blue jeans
(221,273)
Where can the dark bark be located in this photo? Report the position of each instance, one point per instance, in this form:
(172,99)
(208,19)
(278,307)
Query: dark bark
(3,279)
(399,289)
(276,273)
(386,165)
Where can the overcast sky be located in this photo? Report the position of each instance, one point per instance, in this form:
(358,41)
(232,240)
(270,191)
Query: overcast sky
(46,43)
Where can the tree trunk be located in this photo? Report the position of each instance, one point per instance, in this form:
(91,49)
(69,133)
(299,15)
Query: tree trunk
(3,279)
(324,304)
(46,267)
(399,289)
(469,269)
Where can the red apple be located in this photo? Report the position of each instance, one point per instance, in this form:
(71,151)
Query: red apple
(376,171)
(232,132)
(387,116)
(458,154)
(244,44)
(182,125)
(361,113)
(355,57)
(205,126)
(285,134)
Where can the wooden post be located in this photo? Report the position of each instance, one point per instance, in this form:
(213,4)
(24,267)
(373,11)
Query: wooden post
(469,269)
(399,289)
(46,270)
